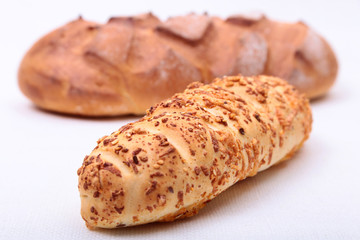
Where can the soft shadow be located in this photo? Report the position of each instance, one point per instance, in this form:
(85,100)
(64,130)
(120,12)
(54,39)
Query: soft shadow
(86,118)
(333,96)
(320,99)
(225,200)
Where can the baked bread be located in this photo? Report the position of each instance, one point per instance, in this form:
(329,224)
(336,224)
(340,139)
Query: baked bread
(131,63)
(190,148)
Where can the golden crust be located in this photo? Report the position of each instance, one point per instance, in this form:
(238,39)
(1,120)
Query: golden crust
(190,148)
(131,63)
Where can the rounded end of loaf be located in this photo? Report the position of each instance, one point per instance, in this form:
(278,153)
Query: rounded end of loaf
(56,77)
(315,66)
(113,197)
(136,176)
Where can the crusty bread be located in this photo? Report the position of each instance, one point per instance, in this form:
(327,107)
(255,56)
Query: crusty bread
(190,148)
(131,63)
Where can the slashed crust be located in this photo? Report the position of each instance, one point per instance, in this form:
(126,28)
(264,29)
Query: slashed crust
(131,63)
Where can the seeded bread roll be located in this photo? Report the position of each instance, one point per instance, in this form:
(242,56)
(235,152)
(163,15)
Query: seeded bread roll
(130,63)
(190,148)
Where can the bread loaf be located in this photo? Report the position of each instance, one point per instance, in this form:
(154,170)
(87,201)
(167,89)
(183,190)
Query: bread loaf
(131,63)
(190,148)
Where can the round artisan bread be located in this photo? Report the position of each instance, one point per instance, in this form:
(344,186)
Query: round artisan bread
(190,148)
(130,63)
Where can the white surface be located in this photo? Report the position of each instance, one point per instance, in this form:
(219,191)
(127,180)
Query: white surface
(315,195)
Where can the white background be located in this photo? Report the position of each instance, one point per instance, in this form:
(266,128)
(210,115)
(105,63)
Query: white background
(315,195)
